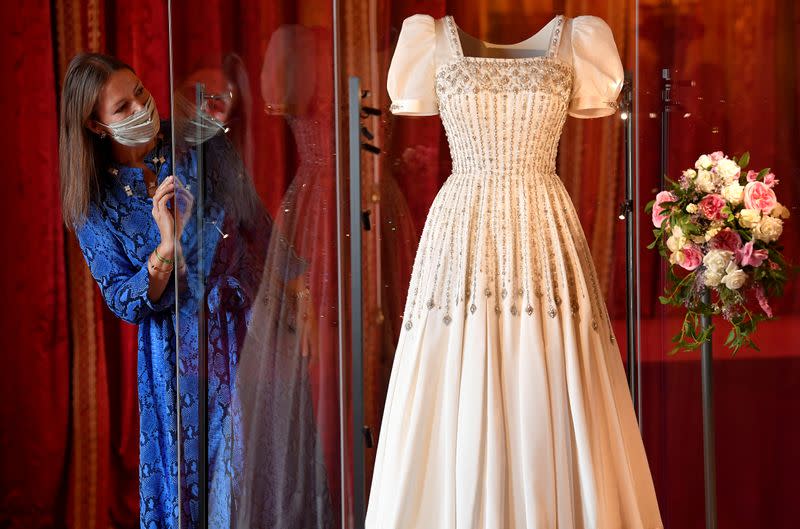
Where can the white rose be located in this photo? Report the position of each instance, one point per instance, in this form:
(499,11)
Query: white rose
(689,174)
(749,217)
(677,240)
(768,229)
(734,277)
(717,260)
(712,231)
(691,208)
(704,162)
(704,181)
(676,244)
(712,278)
(728,170)
(779,211)
(733,193)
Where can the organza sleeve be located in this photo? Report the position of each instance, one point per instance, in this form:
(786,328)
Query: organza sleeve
(410,81)
(598,69)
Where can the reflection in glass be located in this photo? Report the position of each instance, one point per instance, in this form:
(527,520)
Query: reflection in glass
(262,293)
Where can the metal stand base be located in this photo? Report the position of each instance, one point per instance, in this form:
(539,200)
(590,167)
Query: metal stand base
(709,449)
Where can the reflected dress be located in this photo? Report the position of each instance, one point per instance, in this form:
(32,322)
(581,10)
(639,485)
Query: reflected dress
(508,405)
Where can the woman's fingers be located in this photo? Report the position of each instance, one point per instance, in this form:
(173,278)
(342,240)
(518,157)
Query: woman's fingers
(161,191)
(160,206)
(162,202)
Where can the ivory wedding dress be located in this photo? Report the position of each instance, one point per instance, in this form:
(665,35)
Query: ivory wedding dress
(508,405)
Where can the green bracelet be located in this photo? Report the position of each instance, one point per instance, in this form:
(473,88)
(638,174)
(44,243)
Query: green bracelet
(163,259)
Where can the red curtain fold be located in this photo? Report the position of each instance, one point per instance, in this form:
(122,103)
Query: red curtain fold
(34,403)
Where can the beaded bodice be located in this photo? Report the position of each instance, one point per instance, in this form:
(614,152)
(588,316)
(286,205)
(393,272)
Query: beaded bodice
(502,235)
(503,114)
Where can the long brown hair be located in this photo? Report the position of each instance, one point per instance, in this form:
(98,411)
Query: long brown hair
(82,154)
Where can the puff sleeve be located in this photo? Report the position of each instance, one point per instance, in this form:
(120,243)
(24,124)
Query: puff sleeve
(410,81)
(598,69)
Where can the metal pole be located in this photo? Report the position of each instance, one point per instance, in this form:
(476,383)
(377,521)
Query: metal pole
(202,341)
(340,257)
(630,242)
(178,415)
(359,475)
(709,448)
(666,108)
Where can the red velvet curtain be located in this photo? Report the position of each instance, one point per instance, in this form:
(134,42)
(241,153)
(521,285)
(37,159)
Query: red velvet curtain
(34,403)
(69,407)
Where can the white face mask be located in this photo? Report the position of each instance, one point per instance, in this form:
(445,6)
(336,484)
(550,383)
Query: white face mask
(195,127)
(138,128)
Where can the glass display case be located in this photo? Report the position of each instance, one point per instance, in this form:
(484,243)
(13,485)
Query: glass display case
(270,378)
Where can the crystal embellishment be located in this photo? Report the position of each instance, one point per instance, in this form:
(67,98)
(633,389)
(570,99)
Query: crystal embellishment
(477,237)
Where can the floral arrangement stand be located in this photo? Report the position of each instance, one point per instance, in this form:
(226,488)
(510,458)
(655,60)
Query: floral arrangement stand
(709,442)
(718,227)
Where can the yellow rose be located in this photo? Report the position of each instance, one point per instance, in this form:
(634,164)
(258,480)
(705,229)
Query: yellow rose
(780,211)
(749,217)
(768,229)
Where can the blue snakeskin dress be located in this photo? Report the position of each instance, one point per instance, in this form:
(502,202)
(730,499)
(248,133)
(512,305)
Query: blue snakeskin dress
(116,239)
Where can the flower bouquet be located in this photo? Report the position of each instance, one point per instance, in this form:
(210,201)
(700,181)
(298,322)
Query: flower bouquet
(718,227)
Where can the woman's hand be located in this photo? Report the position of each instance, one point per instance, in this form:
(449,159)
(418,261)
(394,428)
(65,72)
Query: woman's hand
(170,193)
(163,215)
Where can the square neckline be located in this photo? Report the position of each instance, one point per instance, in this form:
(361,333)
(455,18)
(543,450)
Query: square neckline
(549,52)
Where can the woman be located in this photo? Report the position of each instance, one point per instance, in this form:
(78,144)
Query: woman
(123,195)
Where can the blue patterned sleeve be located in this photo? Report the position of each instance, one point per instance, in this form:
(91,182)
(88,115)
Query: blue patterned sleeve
(124,285)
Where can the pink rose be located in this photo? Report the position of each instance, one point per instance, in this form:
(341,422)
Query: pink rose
(711,206)
(770,179)
(692,257)
(726,239)
(747,256)
(758,195)
(762,301)
(658,211)
(717,156)
(752,176)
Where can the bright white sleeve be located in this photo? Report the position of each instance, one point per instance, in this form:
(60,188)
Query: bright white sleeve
(410,81)
(598,69)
